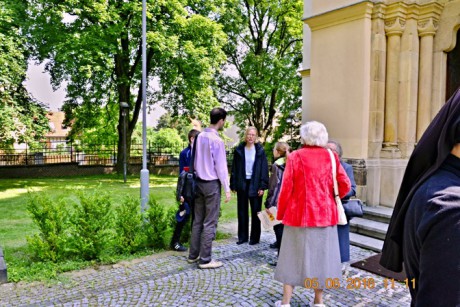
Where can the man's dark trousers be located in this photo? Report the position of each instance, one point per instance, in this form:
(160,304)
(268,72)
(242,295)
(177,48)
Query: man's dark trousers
(206,208)
(180,225)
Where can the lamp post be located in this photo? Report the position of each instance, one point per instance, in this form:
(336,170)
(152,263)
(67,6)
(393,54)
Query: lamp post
(144,170)
(124,111)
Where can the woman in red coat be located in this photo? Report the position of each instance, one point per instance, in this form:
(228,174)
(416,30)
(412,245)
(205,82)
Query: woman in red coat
(309,252)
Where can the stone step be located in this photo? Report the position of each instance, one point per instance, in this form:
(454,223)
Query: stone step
(369,228)
(379,214)
(366,242)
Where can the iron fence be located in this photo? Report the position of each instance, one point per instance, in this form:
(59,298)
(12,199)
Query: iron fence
(90,154)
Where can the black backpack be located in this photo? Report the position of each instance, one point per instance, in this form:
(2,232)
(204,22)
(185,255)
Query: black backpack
(189,180)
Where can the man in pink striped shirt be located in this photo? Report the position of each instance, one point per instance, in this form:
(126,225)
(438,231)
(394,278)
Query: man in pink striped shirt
(211,175)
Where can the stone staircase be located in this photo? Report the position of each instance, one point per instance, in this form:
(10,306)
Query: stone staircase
(369,231)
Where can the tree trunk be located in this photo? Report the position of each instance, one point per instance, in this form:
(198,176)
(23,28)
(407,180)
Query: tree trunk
(120,148)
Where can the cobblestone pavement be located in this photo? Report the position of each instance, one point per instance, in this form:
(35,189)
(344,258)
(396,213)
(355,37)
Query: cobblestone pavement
(166,279)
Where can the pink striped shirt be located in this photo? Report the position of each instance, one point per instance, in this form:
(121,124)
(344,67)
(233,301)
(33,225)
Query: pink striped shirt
(211,160)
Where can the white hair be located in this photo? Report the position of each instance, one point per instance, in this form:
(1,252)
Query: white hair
(314,134)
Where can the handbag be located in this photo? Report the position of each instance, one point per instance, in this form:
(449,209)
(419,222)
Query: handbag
(340,210)
(353,208)
(189,187)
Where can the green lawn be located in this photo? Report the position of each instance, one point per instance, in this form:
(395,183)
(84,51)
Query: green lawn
(16,224)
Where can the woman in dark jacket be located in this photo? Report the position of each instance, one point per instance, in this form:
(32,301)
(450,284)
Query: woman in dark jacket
(249,178)
(280,152)
(344,230)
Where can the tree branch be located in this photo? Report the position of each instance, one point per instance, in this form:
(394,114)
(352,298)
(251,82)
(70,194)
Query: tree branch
(248,7)
(136,61)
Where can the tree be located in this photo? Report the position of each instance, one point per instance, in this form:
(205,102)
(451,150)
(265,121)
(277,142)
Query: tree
(22,118)
(96,47)
(100,128)
(137,134)
(168,139)
(182,124)
(259,82)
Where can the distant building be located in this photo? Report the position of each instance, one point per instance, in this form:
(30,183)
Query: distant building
(59,131)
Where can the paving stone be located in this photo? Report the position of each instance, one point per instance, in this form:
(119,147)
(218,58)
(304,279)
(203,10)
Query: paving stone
(246,279)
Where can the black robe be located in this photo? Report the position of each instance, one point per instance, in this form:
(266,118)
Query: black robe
(431,151)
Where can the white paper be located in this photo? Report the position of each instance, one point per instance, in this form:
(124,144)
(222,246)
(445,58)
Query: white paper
(268,220)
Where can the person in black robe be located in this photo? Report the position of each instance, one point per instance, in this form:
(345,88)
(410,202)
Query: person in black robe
(424,229)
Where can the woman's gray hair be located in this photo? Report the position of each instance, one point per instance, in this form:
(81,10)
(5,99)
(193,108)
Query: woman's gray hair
(314,134)
(338,147)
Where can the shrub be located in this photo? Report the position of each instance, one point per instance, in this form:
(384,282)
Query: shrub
(158,225)
(187,230)
(91,229)
(92,224)
(130,235)
(51,218)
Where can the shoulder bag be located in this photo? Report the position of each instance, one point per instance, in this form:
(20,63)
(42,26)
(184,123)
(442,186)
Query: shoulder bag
(353,208)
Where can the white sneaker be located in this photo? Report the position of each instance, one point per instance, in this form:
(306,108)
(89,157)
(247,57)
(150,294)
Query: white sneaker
(319,305)
(279,304)
(213,264)
(190,260)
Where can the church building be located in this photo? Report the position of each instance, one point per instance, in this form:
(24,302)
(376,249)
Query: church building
(376,73)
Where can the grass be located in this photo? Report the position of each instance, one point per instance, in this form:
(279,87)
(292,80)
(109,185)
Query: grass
(16,223)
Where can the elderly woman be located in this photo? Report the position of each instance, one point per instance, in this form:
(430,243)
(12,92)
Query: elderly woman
(309,252)
(249,179)
(344,230)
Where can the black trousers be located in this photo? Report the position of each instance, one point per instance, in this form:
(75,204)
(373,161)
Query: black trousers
(278,229)
(180,225)
(243,201)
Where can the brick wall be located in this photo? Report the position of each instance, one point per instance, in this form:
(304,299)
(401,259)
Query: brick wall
(73,169)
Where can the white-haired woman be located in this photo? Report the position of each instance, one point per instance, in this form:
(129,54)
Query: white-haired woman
(309,254)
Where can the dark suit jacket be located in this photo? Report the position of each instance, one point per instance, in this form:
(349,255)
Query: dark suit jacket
(259,179)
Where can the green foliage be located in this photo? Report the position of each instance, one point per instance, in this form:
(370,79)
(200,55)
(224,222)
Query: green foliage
(158,223)
(169,140)
(259,82)
(187,230)
(99,126)
(95,46)
(165,139)
(181,123)
(130,236)
(93,229)
(16,223)
(92,224)
(52,218)
(22,118)
(137,134)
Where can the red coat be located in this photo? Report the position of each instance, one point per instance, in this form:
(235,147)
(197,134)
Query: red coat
(306,198)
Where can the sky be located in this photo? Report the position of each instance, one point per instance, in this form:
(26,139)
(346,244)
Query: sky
(38,84)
